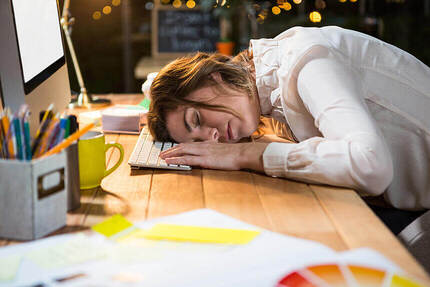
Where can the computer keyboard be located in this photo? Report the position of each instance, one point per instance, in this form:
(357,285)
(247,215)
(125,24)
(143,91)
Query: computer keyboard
(146,152)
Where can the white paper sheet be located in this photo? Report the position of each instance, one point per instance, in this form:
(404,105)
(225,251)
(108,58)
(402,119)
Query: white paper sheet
(106,262)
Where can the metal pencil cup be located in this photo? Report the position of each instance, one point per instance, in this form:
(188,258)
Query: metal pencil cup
(33,197)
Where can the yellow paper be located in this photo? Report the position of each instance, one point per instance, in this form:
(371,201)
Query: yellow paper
(112,226)
(9,267)
(200,234)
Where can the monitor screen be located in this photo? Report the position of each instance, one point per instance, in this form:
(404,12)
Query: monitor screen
(39,39)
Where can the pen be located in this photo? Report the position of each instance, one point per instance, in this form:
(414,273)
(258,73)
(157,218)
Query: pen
(22,110)
(46,137)
(12,140)
(8,131)
(42,129)
(4,134)
(5,123)
(73,124)
(2,155)
(62,132)
(45,116)
(54,134)
(65,143)
(67,131)
(27,139)
(17,130)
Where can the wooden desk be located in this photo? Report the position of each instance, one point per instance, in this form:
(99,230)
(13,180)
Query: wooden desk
(336,217)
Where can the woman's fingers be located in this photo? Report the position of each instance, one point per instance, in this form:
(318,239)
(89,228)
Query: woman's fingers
(206,155)
(185,148)
(217,155)
(187,160)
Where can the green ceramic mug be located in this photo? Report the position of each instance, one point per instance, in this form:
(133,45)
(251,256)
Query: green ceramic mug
(92,159)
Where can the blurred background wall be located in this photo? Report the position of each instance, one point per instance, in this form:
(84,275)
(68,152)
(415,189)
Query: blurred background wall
(111,36)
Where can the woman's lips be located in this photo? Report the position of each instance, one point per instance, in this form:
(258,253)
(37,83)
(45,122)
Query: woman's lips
(229,132)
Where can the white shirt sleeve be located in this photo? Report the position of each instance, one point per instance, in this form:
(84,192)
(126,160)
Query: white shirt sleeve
(352,152)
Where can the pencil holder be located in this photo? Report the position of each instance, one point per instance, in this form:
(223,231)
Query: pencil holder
(33,199)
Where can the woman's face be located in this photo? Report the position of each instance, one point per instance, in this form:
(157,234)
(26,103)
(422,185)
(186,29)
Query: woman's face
(188,124)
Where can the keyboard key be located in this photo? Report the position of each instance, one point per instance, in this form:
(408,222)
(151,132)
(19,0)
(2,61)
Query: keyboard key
(146,153)
(155,152)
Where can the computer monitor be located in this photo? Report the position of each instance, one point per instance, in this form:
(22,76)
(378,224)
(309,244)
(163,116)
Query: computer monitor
(33,69)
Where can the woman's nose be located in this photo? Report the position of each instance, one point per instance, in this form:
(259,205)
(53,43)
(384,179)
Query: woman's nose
(211,134)
(214,134)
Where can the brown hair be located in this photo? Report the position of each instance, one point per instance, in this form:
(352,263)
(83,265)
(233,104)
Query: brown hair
(184,75)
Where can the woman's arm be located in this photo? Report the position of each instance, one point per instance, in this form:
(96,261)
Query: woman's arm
(352,151)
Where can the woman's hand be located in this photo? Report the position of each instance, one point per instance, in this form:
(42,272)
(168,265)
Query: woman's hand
(217,155)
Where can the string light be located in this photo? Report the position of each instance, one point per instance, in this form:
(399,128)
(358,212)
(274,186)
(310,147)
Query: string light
(297,1)
(276,10)
(315,16)
(116,2)
(107,10)
(97,15)
(286,6)
(191,4)
(177,3)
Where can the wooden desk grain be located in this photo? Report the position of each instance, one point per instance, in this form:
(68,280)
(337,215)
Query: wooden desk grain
(336,217)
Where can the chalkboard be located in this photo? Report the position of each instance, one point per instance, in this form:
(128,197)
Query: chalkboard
(185,31)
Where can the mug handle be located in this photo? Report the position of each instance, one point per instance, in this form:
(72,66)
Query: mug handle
(121,156)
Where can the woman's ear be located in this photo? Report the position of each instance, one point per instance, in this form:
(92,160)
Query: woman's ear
(217,77)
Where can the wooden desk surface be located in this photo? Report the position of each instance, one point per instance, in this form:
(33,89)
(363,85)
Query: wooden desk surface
(336,217)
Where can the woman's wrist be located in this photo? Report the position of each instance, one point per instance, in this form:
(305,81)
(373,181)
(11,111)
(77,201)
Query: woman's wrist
(251,156)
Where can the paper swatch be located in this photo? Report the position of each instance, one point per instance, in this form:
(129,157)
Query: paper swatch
(344,275)
(9,267)
(74,251)
(112,225)
(200,234)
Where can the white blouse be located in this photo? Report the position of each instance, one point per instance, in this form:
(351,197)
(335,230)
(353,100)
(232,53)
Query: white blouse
(359,107)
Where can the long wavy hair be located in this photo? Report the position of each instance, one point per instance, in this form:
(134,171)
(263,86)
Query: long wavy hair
(179,78)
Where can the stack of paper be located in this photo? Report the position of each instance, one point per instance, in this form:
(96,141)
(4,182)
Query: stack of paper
(124,119)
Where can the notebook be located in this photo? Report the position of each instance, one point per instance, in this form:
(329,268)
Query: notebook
(128,119)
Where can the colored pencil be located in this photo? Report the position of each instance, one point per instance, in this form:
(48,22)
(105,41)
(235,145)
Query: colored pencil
(65,143)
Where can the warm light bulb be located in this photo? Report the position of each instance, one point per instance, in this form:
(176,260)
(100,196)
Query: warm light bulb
(191,4)
(177,3)
(107,10)
(97,15)
(116,2)
(315,16)
(342,1)
(276,10)
(286,6)
(297,1)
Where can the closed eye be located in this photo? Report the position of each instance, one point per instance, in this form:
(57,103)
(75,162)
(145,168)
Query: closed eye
(196,119)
